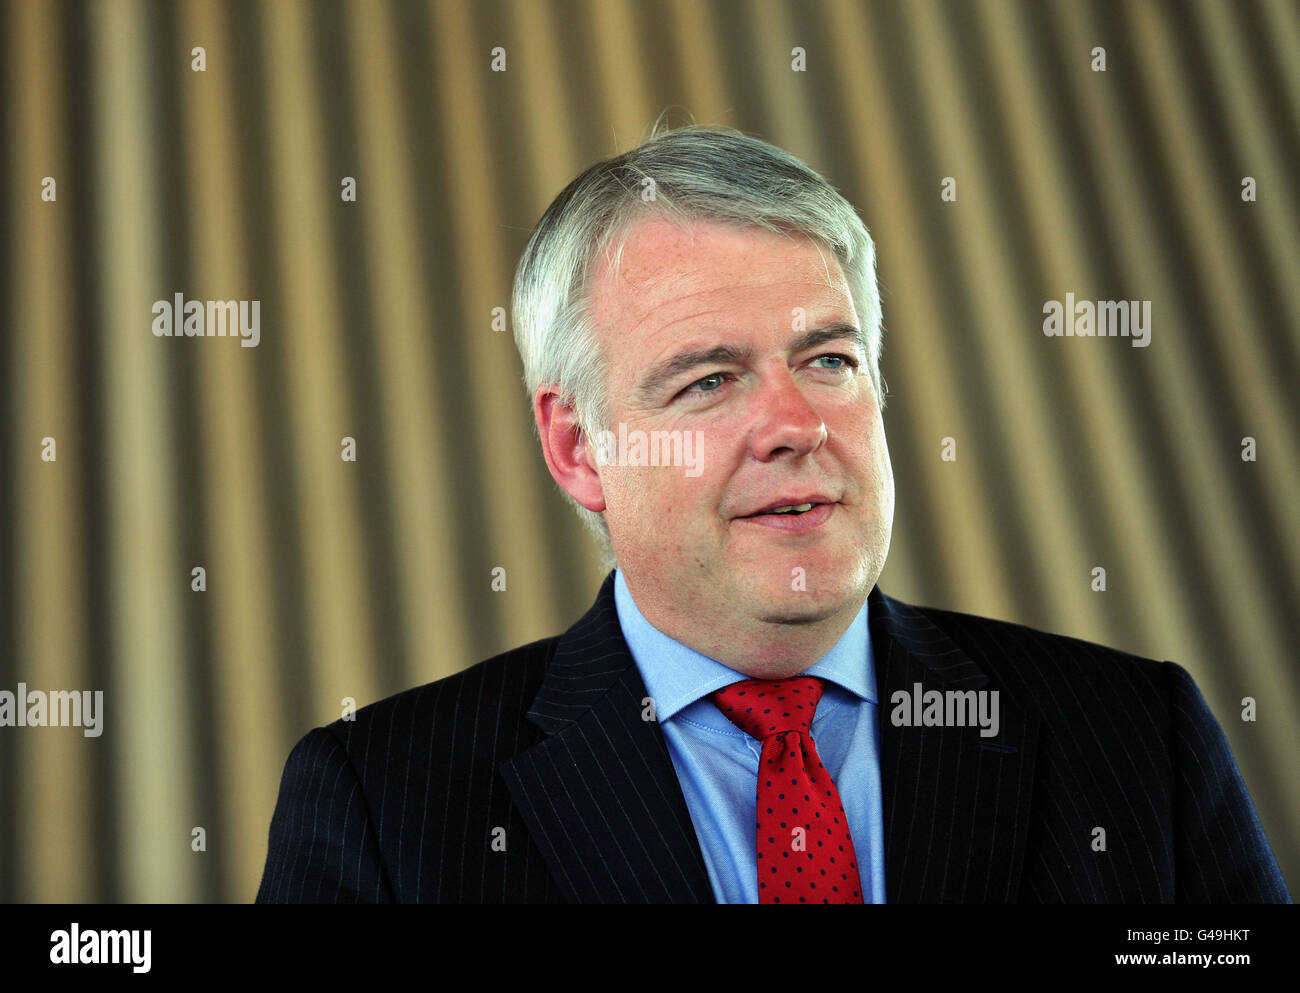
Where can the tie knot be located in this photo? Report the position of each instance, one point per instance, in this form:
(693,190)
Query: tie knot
(764,707)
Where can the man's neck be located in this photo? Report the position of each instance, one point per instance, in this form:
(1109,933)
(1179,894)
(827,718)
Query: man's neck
(761,648)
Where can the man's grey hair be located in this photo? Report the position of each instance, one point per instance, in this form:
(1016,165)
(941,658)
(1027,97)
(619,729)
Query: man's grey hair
(684,174)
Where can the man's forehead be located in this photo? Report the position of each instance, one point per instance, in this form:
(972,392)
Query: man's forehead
(658,263)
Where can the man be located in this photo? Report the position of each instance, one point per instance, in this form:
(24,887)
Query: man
(743,716)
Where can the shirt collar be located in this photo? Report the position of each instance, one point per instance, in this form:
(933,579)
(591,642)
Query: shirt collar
(676,676)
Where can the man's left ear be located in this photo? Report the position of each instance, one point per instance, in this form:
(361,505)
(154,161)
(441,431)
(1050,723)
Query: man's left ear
(569,454)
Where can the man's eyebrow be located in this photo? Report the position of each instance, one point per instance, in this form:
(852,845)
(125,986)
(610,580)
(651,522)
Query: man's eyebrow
(668,370)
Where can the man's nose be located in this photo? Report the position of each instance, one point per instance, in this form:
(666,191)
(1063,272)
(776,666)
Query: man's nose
(785,421)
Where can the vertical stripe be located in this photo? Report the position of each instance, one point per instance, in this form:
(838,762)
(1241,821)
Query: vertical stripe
(307,328)
(147,712)
(49,651)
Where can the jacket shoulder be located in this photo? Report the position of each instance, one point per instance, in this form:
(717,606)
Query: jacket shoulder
(1081,689)
(453,730)
(377,788)
(997,645)
(498,689)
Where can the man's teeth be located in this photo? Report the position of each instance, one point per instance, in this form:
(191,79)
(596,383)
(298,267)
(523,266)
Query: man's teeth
(792,508)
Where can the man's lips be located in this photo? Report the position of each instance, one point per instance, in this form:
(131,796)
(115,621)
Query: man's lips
(793,523)
(793,501)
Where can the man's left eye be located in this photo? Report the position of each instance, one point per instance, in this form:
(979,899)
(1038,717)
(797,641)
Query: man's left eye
(849,361)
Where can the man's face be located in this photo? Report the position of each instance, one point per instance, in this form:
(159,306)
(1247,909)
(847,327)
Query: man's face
(781,422)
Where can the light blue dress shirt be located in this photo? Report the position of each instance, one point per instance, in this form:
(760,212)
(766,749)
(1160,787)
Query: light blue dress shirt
(717,763)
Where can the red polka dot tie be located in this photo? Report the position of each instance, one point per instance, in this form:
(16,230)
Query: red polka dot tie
(805,853)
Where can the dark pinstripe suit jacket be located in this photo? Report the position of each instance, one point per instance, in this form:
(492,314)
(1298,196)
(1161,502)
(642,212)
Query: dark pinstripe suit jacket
(533,777)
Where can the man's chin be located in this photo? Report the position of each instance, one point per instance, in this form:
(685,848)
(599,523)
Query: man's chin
(790,598)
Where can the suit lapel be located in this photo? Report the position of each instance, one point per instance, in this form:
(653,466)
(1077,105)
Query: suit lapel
(956,804)
(599,793)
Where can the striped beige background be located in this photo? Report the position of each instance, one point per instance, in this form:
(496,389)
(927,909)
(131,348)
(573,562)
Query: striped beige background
(329,579)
